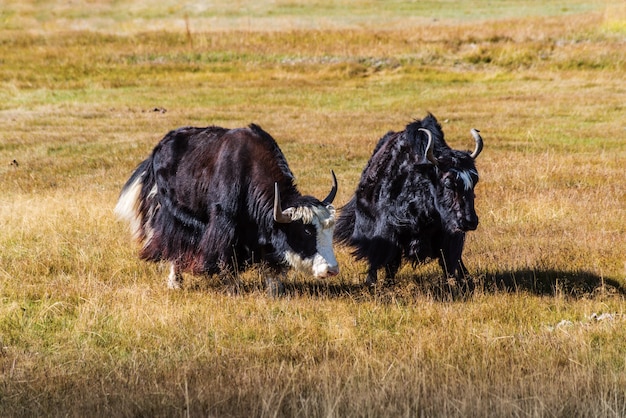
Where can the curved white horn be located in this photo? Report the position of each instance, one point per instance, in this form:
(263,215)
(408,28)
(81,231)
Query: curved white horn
(429,148)
(279,216)
(479,143)
(333,191)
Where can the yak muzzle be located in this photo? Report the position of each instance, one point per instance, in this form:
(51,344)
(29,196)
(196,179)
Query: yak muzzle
(469,224)
(331,272)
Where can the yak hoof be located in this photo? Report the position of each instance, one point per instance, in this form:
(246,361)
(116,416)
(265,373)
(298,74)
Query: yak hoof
(174,284)
(233,289)
(175,279)
(275,288)
(460,288)
(370,281)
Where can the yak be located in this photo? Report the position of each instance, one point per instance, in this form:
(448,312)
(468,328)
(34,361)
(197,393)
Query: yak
(414,201)
(210,201)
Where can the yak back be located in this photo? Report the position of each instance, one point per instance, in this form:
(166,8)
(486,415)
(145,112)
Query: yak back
(197,168)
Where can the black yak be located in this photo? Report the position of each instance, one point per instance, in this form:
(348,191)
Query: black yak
(414,201)
(209,201)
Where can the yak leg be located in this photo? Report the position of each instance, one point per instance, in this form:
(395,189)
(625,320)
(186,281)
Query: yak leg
(450,254)
(449,266)
(219,241)
(175,278)
(452,264)
(372,275)
(386,255)
(462,275)
(229,276)
(392,268)
(461,270)
(274,283)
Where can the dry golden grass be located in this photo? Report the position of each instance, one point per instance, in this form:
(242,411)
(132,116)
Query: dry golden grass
(86,329)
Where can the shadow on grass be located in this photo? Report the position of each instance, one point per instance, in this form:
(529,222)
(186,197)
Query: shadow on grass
(290,288)
(575,284)
(552,282)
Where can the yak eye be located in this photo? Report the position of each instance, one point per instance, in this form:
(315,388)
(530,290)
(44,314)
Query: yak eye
(447,182)
(309,230)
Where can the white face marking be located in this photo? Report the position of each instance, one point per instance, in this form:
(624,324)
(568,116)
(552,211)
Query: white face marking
(323,263)
(466,178)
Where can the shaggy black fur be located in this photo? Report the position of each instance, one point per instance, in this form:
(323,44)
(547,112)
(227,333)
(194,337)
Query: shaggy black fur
(407,207)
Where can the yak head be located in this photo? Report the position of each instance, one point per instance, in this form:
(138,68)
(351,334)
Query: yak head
(308,229)
(456,178)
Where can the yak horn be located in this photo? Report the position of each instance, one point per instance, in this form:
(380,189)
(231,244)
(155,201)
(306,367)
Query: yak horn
(279,216)
(479,143)
(429,148)
(333,191)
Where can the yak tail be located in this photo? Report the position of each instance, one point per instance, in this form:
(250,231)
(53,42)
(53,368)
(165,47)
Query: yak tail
(133,198)
(345,223)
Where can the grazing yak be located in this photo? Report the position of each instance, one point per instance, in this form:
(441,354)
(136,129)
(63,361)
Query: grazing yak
(210,201)
(415,201)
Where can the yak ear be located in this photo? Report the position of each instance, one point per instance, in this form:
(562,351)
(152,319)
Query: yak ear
(280,216)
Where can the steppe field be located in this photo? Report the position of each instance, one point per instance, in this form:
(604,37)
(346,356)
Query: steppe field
(87,89)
